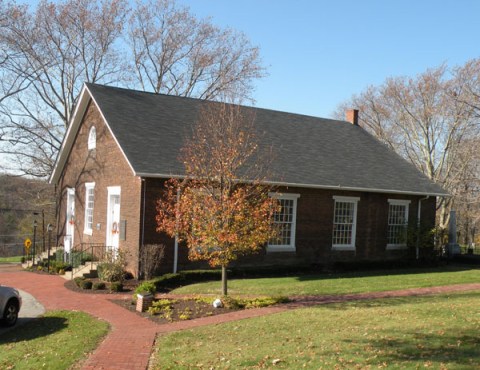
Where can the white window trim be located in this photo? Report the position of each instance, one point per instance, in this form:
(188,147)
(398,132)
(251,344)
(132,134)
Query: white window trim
(92,138)
(398,202)
(291,247)
(87,230)
(354,200)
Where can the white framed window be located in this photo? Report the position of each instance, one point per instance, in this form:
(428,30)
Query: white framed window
(92,138)
(344,222)
(397,223)
(89,202)
(285,220)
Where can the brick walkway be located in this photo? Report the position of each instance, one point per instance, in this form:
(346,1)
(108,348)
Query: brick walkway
(129,343)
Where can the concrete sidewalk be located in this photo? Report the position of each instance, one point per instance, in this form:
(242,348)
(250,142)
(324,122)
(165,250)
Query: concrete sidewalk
(130,341)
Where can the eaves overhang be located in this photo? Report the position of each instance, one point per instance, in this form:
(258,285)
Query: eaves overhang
(315,186)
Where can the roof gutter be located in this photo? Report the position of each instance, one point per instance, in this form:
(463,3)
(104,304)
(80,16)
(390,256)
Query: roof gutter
(313,186)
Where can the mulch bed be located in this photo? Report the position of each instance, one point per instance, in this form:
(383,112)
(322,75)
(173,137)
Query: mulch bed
(182,308)
(189,308)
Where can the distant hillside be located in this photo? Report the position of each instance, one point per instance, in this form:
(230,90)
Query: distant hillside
(20,198)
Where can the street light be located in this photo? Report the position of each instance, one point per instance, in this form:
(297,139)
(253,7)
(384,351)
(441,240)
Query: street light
(49,229)
(34,237)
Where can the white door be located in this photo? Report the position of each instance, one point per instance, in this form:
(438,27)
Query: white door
(70,220)
(113,219)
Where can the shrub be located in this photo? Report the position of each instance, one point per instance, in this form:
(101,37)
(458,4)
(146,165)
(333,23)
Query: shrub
(99,285)
(146,286)
(171,281)
(86,284)
(59,254)
(232,303)
(150,259)
(116,286)
(62,266)
(78,280)
(110,271)
(61,272)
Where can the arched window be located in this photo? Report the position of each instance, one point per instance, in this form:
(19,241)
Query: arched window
(92,138)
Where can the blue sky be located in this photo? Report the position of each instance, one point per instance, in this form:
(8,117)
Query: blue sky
(319,53)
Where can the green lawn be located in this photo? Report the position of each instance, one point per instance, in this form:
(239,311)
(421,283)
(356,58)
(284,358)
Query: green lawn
(340,284)
(439,332)
(57,340)
(11,259)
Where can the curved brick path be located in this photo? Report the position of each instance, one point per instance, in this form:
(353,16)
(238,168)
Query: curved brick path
(128,345)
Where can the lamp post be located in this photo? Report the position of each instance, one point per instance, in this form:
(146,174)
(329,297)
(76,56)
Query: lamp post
(34,240)
(49,229)
(37,213)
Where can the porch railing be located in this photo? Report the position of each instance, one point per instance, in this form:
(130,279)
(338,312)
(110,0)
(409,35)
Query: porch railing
(84,253)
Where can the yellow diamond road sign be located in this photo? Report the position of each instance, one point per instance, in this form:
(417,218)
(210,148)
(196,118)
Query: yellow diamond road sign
(27,243)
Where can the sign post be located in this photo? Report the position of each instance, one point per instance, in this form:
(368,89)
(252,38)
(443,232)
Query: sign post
(27,244)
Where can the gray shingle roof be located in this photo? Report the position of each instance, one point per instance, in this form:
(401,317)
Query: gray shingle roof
(309,151)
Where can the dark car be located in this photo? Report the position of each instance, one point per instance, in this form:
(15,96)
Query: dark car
(10,303)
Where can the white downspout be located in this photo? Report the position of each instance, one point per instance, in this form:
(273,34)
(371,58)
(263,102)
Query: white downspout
(417,247)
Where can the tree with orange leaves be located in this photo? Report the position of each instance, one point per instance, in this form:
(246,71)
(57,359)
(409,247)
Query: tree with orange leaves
(221,209)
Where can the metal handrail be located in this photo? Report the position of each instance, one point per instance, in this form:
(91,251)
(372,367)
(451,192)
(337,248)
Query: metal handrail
(89,252)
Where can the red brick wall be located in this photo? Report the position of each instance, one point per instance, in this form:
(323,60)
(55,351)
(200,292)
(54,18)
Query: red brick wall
(106,166)
(313,228)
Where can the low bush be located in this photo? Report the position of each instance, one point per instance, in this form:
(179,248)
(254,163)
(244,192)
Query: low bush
(146,286)
(110,272)
(61,266)
(86,284)
(171,281)
(112,268)
(59,254)
(99,285)
(116,286)
(79,280)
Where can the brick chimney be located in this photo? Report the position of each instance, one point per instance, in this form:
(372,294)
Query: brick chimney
(351,115)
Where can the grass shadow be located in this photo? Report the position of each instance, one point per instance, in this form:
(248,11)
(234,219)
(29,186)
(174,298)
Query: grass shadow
(384,272)
(394,301)
(431,350)
(36,328)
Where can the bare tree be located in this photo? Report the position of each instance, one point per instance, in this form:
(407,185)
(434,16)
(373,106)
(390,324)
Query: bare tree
(176,53)
(427,120)
(49,54)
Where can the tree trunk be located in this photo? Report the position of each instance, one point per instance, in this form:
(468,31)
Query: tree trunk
(224,280)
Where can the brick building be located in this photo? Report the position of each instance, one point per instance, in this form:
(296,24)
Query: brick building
(344,195)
